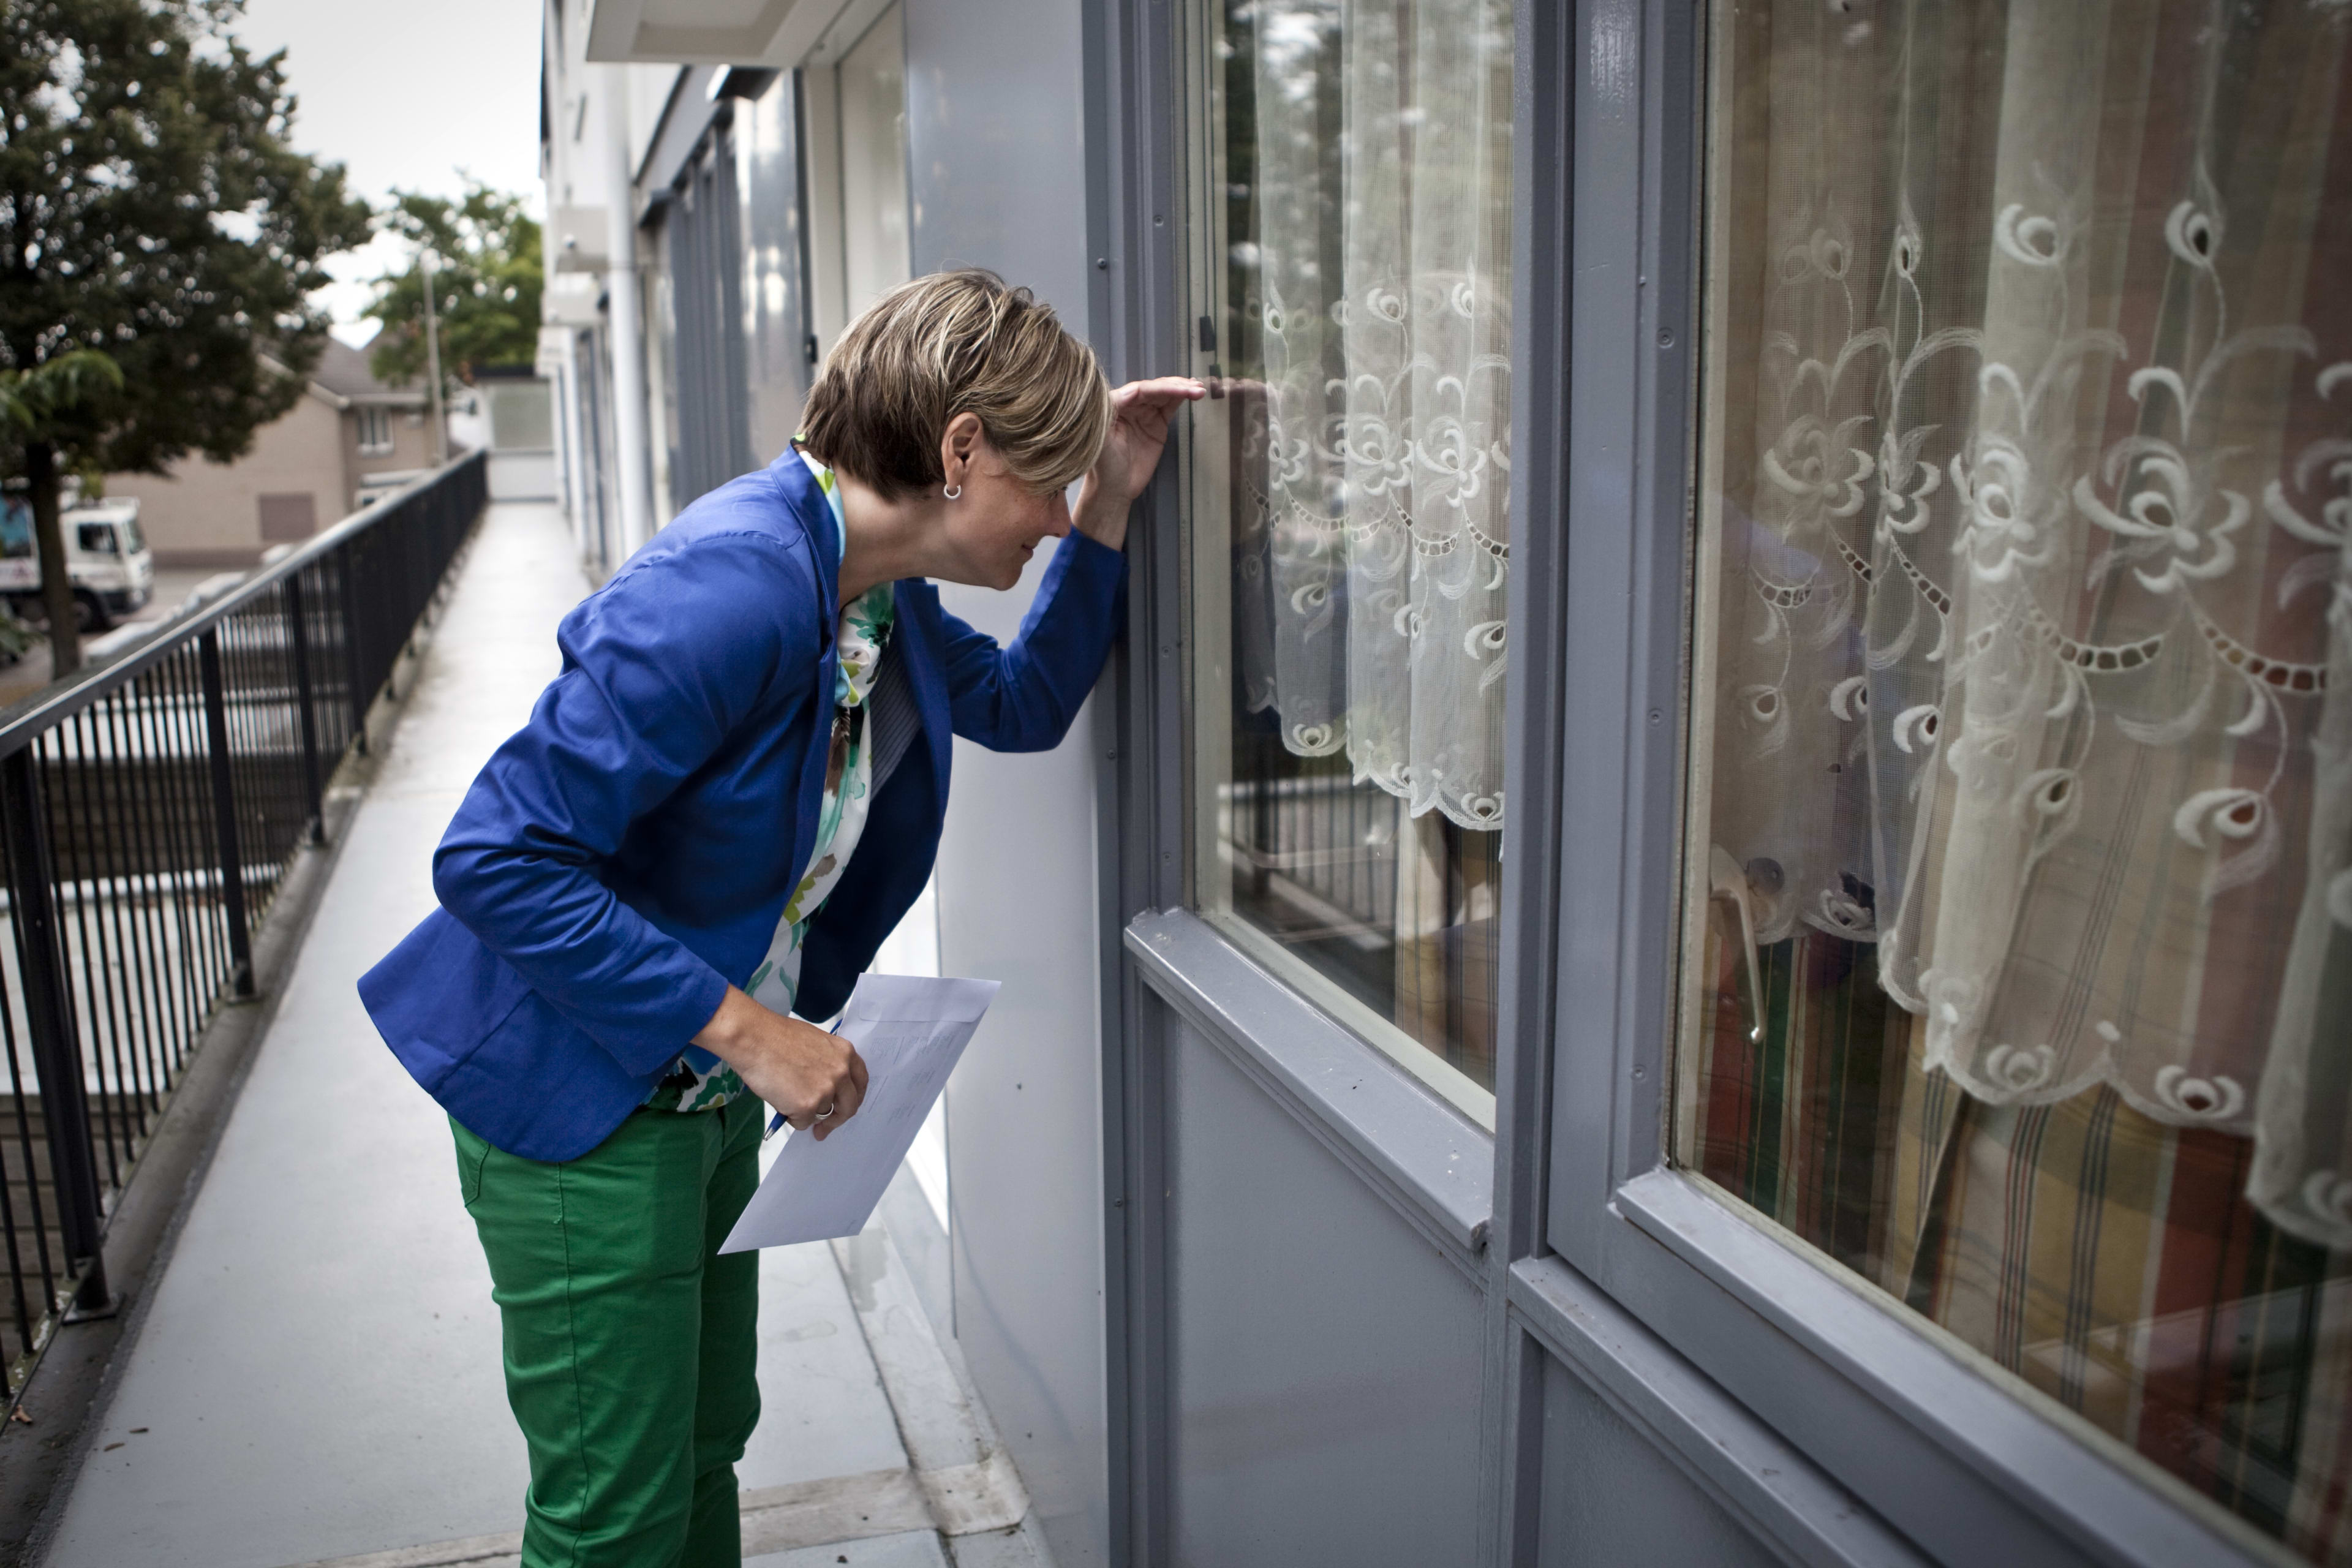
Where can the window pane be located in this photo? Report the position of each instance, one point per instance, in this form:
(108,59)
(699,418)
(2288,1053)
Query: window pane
(778,351)
(2019,931)
(522,415)
(1349,488)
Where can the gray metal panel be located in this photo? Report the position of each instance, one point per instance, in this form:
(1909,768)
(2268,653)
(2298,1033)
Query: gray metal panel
(1609,1497)
(1326,1352)
(997,164)
(1736,1462)
(996,144)
(1383,1124)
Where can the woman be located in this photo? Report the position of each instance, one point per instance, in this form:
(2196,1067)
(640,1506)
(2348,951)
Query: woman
(718,809)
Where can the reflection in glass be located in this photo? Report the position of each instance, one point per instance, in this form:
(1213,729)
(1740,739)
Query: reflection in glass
(778,363)
(2020,931)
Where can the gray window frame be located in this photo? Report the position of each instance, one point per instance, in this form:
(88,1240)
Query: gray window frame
(1957,1462)
(1830,1424)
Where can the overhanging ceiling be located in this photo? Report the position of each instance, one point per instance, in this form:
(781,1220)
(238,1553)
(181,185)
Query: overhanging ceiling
(778,32)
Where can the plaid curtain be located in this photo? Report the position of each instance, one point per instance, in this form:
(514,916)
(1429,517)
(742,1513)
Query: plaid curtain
(2112,1262)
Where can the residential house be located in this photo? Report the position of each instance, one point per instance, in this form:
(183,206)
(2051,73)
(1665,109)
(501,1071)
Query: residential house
(303,472)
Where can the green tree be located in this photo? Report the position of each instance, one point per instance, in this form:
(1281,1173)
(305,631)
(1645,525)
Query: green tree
(486,279)
(152,210)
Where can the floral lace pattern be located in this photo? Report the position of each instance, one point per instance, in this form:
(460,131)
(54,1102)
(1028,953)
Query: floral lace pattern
(2035,648)
(1373,534)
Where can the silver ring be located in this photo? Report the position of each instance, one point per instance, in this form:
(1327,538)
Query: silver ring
(827,1113)
(953,492)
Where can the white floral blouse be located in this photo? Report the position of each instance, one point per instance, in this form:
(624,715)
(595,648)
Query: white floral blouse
(859,643)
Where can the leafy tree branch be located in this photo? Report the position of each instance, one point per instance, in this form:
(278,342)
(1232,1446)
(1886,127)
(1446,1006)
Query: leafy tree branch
(487,281)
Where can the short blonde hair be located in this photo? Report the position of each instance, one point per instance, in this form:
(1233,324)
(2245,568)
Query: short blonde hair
(950,343)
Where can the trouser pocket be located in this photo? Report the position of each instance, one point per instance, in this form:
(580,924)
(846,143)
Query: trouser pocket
(473,1157)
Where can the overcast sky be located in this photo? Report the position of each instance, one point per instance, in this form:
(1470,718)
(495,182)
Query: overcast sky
(411,97)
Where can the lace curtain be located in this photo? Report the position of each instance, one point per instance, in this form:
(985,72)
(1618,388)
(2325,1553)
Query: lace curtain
(1372,533)
(2035,661)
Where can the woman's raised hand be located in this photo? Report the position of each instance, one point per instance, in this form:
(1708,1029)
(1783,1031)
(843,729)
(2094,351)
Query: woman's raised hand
(1140,413)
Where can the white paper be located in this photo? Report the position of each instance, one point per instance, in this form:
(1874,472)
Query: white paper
(911,1030)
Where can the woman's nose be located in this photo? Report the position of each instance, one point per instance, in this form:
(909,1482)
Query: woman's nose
(1057,517)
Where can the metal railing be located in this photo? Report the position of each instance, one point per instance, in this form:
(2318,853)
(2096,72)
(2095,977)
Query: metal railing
(1399,912)
(149,812)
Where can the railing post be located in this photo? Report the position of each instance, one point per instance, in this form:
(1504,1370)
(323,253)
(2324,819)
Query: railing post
(240,940)
(349,557)
(57,1045)
(298,635)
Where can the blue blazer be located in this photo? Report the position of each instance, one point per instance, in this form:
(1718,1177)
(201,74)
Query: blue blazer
(626,856)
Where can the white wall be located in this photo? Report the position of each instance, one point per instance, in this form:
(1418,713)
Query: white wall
(995,143)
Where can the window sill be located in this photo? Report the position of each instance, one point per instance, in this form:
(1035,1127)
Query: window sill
(1433,1164)
(2047,1474)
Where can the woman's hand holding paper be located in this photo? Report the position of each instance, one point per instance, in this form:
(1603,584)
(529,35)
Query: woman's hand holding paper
(792,1064)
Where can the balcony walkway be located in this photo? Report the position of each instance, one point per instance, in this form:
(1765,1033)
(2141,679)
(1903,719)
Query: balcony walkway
(316,1379)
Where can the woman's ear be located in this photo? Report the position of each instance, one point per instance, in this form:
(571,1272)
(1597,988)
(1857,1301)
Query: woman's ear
(959,442)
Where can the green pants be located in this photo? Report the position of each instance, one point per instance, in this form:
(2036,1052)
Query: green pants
(631,1346)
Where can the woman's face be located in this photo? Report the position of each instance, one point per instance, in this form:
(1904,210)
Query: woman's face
(996,524)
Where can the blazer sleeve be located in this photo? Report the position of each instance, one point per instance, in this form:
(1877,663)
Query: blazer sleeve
(1022,698)
(659,666)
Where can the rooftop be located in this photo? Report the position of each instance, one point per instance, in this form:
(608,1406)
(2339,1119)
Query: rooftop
(343,370)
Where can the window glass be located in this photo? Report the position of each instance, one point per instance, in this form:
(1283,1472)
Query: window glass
(2018,937)
(94,538)
(658,297)
(1349,495)
(778,351)
(522,415)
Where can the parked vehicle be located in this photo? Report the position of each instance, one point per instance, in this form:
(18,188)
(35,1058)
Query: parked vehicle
(107,559)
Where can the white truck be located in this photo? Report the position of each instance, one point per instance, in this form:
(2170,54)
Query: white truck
(106,559)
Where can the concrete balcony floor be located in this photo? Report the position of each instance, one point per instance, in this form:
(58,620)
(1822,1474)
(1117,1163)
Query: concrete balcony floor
(315,1378)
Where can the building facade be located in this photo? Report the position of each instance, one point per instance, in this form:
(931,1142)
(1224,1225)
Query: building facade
(305,471)
(1707,915)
